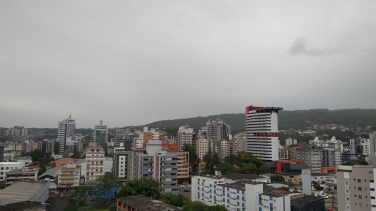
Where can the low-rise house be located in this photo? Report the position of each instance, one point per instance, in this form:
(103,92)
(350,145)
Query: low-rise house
(141,203)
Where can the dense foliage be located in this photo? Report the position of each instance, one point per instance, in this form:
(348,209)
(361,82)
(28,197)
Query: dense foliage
(225,168)
(80,195)
(174,200)
(248,163)
(196,205)
(194,160)
(299,119)
(144,186)
(105,183)
(211,160)
(277,178)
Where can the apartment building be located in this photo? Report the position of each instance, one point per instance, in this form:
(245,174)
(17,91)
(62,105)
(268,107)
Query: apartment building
(183,165)
(262,132)
(94,162)
(9,166)
(20,131)
(184,136)
(356,188)
(23,174)
(122,164)
(217,129)
(202,147)
(241,145)
(159,165)
(238,192)
(69,176)
(312,156)
(100,134)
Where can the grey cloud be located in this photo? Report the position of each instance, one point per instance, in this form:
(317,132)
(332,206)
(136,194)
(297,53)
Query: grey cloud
(301,47)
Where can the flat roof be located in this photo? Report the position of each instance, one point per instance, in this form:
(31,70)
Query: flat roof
(20,206)
(143,203)
(20,191)
(303,200)
(320,174)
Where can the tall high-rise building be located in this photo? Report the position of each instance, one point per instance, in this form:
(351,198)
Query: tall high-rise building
(66,130)
(101,134)
(372,148)
(262,132)
(185,136)
(217,129)
(119,136)
(2,132)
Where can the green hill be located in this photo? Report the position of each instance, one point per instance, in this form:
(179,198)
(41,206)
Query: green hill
(298,119)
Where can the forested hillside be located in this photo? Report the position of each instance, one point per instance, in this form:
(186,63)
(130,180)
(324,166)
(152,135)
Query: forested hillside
(298,119)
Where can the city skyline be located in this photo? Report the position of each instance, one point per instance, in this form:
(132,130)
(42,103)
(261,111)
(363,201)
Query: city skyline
(135,62)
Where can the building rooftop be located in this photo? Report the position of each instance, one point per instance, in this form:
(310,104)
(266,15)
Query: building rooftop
(51,172)
(20,206)
(143,203)
(23,170)
(65,159)
(320,174)
(233,176)
(303,200)
(20,191)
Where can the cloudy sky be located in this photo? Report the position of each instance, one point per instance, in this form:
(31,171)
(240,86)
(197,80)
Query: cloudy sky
(135,62)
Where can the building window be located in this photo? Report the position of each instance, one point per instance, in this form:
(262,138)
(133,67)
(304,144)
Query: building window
(360,196)
(372,189)
(360,204)
(359,180)
(359,189)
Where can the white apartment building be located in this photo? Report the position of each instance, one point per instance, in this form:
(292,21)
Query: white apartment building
(217,129)
(262,132)
(65,131)
(9,166)
(332,143)
(224,151)
(94,162)
(238,192)
(184,136)
(364,143)
(202,147)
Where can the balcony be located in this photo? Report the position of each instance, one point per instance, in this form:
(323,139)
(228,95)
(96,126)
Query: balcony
(66,183)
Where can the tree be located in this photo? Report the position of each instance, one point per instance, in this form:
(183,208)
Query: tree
(42,169)
(194,206)
(105,183)
(113,207)
(144,186)
(315,184)
(247,168)
(276,178)
(217,208)
(71,207)
(83,209)
(211,160)
(36,155)
(174,200)
(193,158)
(262,169)
(225,168)
(231,159)
(80,195)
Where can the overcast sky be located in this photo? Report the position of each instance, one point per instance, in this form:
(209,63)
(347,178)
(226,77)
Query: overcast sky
(135,62)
